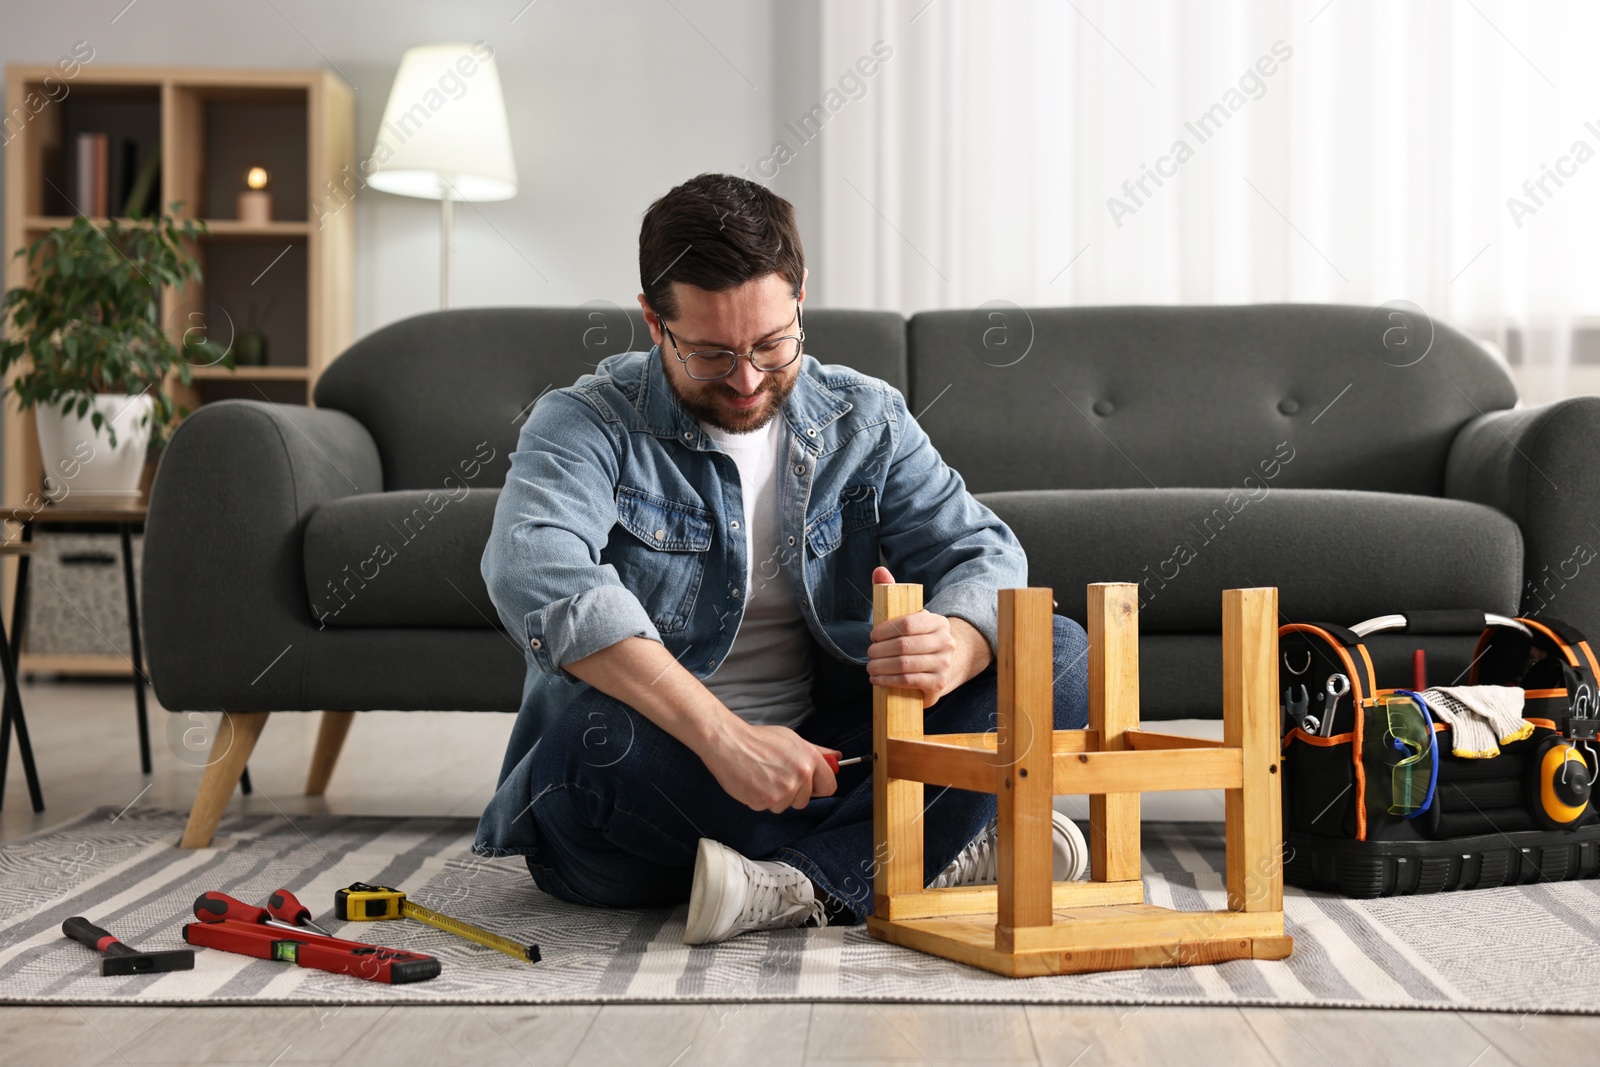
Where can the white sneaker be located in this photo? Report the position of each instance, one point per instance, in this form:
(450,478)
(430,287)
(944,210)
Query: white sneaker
(978,863)
(733,895)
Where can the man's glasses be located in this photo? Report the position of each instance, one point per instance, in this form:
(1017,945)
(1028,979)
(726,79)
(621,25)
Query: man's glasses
(709,364)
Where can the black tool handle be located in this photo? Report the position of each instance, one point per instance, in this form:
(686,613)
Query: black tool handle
(1445,621)
(214,907)
(87,933)
(286,907)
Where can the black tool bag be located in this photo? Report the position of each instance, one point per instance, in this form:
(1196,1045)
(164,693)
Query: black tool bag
(1522,816)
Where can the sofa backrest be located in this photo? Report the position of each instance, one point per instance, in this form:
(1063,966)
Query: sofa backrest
(432,388)
(1048,398)
(1201,397)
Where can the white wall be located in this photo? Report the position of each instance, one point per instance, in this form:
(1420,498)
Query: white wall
(610,102)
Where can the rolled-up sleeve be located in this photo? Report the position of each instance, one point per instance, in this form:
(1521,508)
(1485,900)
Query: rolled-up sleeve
(933,531)
(542,563)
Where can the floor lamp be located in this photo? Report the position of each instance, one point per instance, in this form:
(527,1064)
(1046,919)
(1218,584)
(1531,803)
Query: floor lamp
(444,136)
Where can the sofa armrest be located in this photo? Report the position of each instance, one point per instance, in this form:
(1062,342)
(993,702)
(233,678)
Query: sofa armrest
(1541,466)
(223,573)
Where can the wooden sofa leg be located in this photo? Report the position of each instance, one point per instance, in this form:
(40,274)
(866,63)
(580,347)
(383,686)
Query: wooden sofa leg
(330,739)
(236,738)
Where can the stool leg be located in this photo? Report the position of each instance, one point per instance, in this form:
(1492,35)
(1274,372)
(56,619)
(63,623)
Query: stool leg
(13,714)
(1253,814)
(897,857)
(126,530)
(1113,629)
(1026,764)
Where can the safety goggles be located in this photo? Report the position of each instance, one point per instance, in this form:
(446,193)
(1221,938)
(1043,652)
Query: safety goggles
(1408,732)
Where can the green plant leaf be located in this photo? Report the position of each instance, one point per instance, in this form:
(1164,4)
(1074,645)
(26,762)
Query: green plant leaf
(88,319)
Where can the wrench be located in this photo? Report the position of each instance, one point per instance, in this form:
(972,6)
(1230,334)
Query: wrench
(1294,709)
(1338,685)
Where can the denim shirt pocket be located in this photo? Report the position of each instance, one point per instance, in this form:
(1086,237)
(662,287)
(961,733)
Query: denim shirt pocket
(844,548)
(664,560)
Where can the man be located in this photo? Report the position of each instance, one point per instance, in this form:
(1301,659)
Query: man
(684,547)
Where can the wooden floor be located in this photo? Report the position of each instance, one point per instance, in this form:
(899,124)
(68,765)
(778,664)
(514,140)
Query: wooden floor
(445,765)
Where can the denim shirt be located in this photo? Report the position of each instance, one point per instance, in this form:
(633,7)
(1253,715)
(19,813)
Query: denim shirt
(615,522)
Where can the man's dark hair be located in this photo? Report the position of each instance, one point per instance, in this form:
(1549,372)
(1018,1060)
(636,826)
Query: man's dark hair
(716,232)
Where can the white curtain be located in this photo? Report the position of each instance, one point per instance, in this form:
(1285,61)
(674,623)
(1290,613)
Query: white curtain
(1445,153)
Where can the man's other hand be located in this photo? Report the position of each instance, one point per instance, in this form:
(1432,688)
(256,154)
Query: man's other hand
(770,768)
(933,653)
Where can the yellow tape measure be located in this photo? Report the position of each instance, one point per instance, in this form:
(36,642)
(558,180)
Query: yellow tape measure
(362,903)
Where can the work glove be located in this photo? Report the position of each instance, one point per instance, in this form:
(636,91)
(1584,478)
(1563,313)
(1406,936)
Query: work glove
(1501,705)
(1479,717)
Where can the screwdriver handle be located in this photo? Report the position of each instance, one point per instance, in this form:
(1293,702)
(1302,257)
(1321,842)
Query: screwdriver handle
(214,907)
(834,762)
(87,933)
(283,905)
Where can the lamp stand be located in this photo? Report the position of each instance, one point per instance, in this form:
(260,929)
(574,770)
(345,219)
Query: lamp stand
(446,226)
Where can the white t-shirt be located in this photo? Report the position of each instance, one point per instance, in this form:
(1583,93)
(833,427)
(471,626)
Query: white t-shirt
(766,677)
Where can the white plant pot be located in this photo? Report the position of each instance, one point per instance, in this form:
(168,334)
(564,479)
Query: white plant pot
(80,465)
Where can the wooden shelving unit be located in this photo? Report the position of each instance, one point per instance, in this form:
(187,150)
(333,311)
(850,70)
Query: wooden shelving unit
(220,228)
(291,278)
(244,374)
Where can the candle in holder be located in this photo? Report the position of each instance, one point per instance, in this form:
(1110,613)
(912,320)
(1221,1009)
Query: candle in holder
(255,203)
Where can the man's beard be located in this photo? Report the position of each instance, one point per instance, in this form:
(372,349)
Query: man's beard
(705,406)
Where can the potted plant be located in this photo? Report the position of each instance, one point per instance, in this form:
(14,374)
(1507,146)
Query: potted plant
(91,353)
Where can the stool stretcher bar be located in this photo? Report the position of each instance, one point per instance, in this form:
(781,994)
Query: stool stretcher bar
(1076,772)
(1027,924)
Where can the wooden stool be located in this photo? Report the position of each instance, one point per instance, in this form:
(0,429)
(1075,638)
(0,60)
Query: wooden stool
(1027,925)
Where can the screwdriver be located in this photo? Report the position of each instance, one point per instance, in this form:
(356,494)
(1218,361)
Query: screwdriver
(214,907)
(834,762)
(283,905)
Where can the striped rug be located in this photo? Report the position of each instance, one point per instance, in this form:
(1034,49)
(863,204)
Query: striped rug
(1518,949)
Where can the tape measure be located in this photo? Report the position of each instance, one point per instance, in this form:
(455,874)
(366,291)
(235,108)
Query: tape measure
(362,903)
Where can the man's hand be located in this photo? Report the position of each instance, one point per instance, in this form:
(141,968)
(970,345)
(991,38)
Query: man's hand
(769,768)
(933,653)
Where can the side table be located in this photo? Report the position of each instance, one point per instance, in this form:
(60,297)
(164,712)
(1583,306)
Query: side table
(12,712)
(124,519)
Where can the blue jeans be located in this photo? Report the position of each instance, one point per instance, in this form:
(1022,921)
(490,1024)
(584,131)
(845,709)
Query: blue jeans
(623,804)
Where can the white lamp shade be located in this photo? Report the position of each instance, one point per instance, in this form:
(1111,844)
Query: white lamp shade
(444,130)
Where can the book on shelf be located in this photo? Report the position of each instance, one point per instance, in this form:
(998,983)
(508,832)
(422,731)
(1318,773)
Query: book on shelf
(142,183)
(118,175)
(94,173)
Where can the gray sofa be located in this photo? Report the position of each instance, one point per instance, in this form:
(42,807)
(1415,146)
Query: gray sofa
(1185,448)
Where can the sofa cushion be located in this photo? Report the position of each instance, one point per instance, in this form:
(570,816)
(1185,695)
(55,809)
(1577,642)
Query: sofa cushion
(412,668)
(1127,397)
(411,558)
(1335,555)
(406,558)
(439,389)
